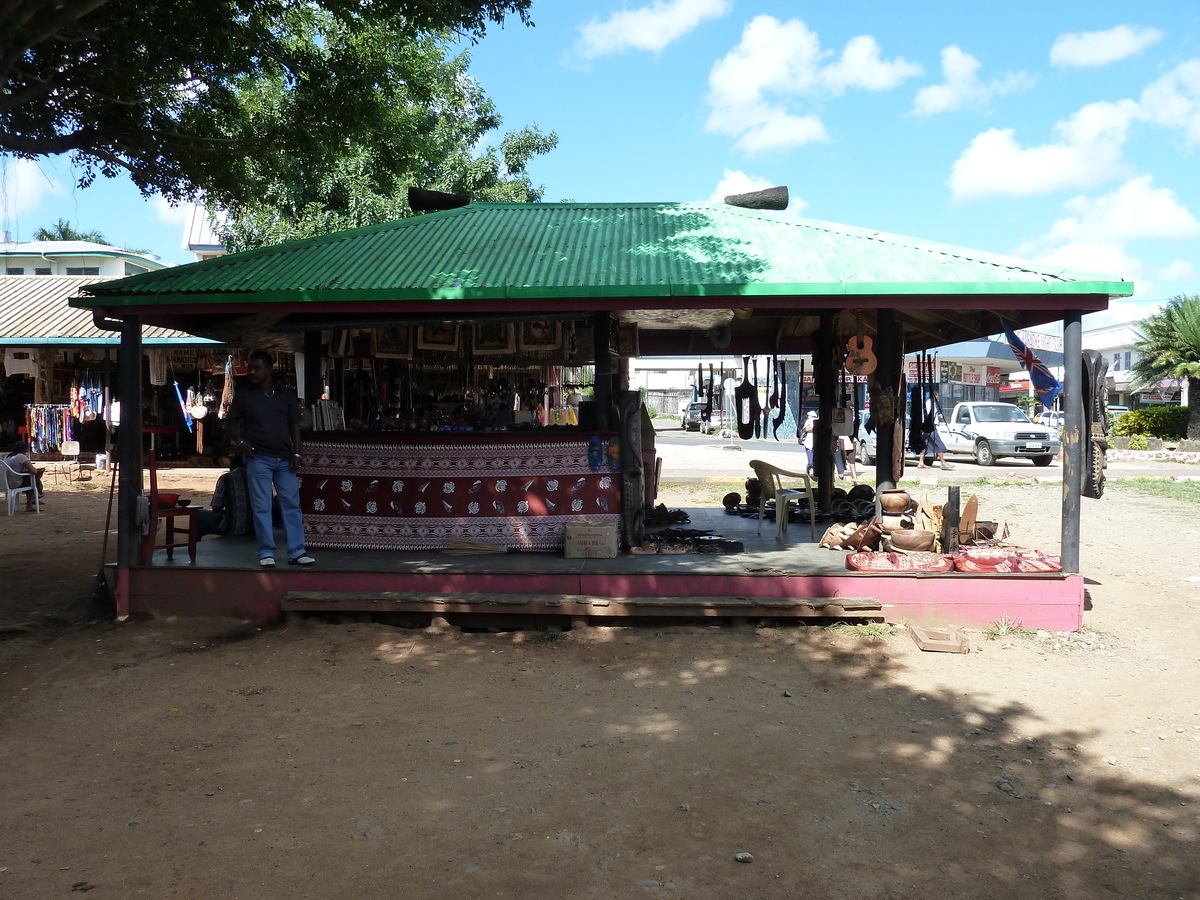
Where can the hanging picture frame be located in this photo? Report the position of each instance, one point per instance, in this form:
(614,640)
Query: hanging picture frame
(628,344)
(541,335)
(492,337)
(443,336)
(394,342)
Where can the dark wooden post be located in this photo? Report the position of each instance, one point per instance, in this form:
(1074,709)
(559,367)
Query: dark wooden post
(823,381)
(129,457)
(633,472)
(1073,438)
(887,374)
(601,329)
(310,387)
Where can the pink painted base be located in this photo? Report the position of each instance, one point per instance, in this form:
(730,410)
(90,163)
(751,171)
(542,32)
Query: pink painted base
(1050,602)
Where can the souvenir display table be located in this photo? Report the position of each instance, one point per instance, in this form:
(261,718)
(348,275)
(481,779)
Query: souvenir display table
(420,491)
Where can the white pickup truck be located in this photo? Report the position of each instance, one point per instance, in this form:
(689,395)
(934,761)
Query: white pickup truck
(991,431)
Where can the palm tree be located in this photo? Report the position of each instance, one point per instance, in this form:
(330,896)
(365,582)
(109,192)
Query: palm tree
(1169,347)
(62,231)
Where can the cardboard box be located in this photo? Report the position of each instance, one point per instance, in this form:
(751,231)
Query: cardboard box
(590,540)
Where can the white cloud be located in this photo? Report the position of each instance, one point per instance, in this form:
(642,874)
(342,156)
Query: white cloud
(173,215)
(1124,311)
(1087,151)
(1110,260)
(1174,100)
(1098,48)
(737,182)
(23,184)
(1094,237)
(862,67)
(648,28)
(1135,211)
(962,88)
(1179,270)
(734,181)
(776,62)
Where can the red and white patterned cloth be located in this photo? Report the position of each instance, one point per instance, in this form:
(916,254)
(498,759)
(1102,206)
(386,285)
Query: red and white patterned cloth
(415,494)
(920,561)
(1005,560)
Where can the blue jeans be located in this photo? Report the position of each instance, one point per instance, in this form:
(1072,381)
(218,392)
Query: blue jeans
(261,473)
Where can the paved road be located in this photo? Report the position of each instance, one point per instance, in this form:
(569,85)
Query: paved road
(693,457)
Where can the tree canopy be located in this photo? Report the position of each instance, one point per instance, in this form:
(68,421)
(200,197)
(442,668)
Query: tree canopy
(430,118)
(1168,346)
(62,230)
(217,98)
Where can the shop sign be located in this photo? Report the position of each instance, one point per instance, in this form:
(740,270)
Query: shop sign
(950,371)
(988,375)
(182,358)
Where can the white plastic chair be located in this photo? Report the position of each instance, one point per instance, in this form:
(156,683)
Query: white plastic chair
(13,492)
(69,465)
(770,486)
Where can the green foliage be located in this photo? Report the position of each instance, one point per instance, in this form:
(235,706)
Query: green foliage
(1006,627)
(434,116)
(215,99)
(1154,421)
(1184,491)
(1139,442)
(62,231)
(1169,347)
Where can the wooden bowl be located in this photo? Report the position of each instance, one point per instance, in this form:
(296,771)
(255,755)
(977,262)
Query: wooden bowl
(894,502)
(911,539)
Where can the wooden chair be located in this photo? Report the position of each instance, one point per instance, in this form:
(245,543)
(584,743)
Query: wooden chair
(13,493)
(191,515)
(770,485)
(69,464)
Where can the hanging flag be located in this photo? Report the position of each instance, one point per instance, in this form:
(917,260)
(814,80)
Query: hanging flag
(1045,385)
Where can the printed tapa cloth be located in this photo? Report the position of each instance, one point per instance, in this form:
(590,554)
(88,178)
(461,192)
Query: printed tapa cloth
(371,496)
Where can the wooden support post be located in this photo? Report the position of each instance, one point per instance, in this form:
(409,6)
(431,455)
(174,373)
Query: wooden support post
(310,385)
(1073,439)
(633,472)
(887,374)
(129,457)
(601,330)
(952,519)
(826,387)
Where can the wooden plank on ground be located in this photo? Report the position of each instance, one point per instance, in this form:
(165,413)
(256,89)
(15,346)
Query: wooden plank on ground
(940,640)
(574,604)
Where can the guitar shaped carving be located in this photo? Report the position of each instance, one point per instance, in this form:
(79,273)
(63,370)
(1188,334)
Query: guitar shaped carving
(860,360)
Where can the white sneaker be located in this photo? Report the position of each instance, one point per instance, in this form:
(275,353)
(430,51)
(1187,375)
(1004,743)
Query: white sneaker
(302,560)
(267,562)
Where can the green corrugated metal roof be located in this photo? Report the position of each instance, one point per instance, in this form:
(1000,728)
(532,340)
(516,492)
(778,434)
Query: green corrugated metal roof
(548,250)
(34,311)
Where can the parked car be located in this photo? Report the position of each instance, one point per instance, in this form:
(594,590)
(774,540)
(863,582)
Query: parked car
(1053,418)
(693,419)
(991,431)
(868,439)
(987,431)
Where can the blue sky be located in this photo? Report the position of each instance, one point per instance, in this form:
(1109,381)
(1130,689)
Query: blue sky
(1063,132)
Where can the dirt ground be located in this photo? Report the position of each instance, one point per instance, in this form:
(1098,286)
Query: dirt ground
(213,758)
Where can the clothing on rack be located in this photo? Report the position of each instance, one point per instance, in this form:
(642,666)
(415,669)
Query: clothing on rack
(49,426)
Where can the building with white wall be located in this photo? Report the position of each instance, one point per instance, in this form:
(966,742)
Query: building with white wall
(75,258)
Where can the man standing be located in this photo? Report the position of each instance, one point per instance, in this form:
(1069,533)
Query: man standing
(264,421)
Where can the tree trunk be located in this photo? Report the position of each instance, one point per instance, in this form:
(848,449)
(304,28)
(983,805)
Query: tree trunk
(1193,392)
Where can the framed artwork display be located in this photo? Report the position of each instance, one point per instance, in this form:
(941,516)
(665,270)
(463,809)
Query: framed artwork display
(394,342)
(438,337)
(541,335)
(492,337)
